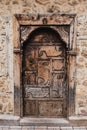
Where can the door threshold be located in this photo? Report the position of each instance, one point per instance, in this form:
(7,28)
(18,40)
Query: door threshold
(44,121)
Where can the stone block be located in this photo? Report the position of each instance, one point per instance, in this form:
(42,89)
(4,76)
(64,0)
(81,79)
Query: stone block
(6,128)
(79,128)
(28,128)
(1,128)
(15,127)
(53,128)
(40,127)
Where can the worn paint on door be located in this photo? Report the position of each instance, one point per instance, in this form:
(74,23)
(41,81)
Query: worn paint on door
(44,75)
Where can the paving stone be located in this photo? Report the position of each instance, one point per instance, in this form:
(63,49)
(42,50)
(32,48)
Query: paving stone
(53,128)
(15,127)
(66,128)
(40,127)
(28,128)
(69,128)
(4,128)
(79,128)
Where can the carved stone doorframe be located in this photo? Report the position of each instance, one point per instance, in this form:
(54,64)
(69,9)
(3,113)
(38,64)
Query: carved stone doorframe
(65,25)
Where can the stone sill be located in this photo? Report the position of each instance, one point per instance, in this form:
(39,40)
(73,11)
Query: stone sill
(9,117)
(77,118)
(27,121)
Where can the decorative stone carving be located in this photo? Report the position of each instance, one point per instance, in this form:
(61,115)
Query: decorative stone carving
(64,33)
(25,30)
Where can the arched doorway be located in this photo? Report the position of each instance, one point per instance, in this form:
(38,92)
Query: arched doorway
(44,71)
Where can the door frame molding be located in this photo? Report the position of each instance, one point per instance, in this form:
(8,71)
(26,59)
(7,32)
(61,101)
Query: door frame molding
(49,20)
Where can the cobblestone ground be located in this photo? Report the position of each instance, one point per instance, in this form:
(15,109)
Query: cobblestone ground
(40,128)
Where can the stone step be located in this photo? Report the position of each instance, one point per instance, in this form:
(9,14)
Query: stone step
(44,122)
(9,120)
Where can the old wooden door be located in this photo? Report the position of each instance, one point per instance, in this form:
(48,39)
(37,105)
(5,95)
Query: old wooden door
(44,75)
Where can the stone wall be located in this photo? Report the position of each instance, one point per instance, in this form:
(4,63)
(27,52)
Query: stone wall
(10,7)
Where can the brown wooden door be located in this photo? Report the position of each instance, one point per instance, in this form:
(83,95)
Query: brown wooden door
(44,76)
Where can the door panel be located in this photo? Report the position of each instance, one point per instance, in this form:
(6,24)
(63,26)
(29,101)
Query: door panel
(44,73)
(51,108)
(37,92)
(49,51)
(57,85)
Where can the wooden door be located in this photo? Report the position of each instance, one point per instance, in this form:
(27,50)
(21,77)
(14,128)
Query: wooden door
(44,75)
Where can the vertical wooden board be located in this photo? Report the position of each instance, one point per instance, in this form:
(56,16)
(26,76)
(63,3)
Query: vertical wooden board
(57,86)
(30,58)
(44,73)
(30,108)
(29,78)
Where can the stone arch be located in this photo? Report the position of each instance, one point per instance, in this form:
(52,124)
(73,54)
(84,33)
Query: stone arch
(62,33)
(50,34)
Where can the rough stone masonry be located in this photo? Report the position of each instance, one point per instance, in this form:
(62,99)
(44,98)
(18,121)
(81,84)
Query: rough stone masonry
(10,7)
